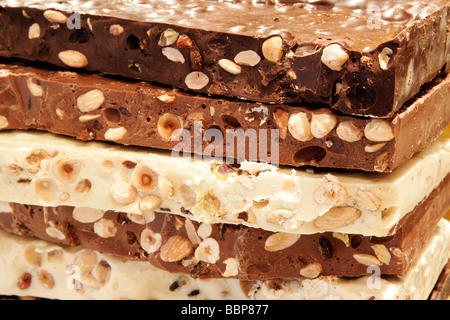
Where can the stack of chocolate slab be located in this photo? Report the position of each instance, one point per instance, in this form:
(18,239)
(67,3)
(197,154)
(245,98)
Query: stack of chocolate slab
(179,150)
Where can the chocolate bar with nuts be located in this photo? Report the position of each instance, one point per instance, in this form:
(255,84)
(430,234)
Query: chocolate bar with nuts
(41,269)
(39,168)
(204,251)
(365,58)
(94,107)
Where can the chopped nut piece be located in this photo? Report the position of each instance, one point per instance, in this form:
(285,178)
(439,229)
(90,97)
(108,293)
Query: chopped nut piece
(343,237)
(188,195)
(204,230)
(86,261)
(89,280)
(24,281)
(260,204)
(176,249)
(272,49)
(322,125)
(208,251)
(60,113)
(123,193)
(46,190)
(179,223)
(331,193)
(299,127)
(231,268)
(55,16)
(149,204)
(230,66)
(54,232)
(66,170)
(167,98)
(191,232)
(116,29)
(367,259)
(3,122)
(33,256)
(379,130)
(280,241)
(101,272)
(169,126)
(173,54)
(165,187)
(88,117)
(141,218)
(105,228)
(312,270)
(115,134)
(367,200)
(74,59)
(32,163)
(396,252)
(281,118)
(34,31)
(349,132)
(150,241)
(337,218)
(279,216)
(334,57)
(382,162)
(25,14)
(247,58)
(223,171)
(145,179)
(35,90)
(196,80)
(87,215)
(168,37)
(90,101)
(374,147)
(83,186)
(185,42)
(382,253)
(55,256)
(384,58)
(46,279)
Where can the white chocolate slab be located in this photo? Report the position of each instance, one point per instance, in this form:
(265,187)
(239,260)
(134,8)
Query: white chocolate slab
(73,274)
(275,199)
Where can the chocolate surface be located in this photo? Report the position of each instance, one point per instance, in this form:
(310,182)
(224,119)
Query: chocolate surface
(203,251)
(363,57)
(35,97)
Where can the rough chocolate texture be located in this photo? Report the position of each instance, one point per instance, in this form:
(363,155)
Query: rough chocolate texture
(361,58)
(45,98)
(258,253)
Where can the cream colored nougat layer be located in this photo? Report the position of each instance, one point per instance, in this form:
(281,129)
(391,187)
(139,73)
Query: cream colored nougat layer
(43,169)
(37,268)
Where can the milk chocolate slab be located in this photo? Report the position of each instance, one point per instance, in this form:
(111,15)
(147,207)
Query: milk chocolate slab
(92,107)
(226,251)
(39,168)
(364,58)
(32,267)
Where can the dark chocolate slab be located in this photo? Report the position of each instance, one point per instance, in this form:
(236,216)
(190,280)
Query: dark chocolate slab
(52,100)
(180,245)
(359,57)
